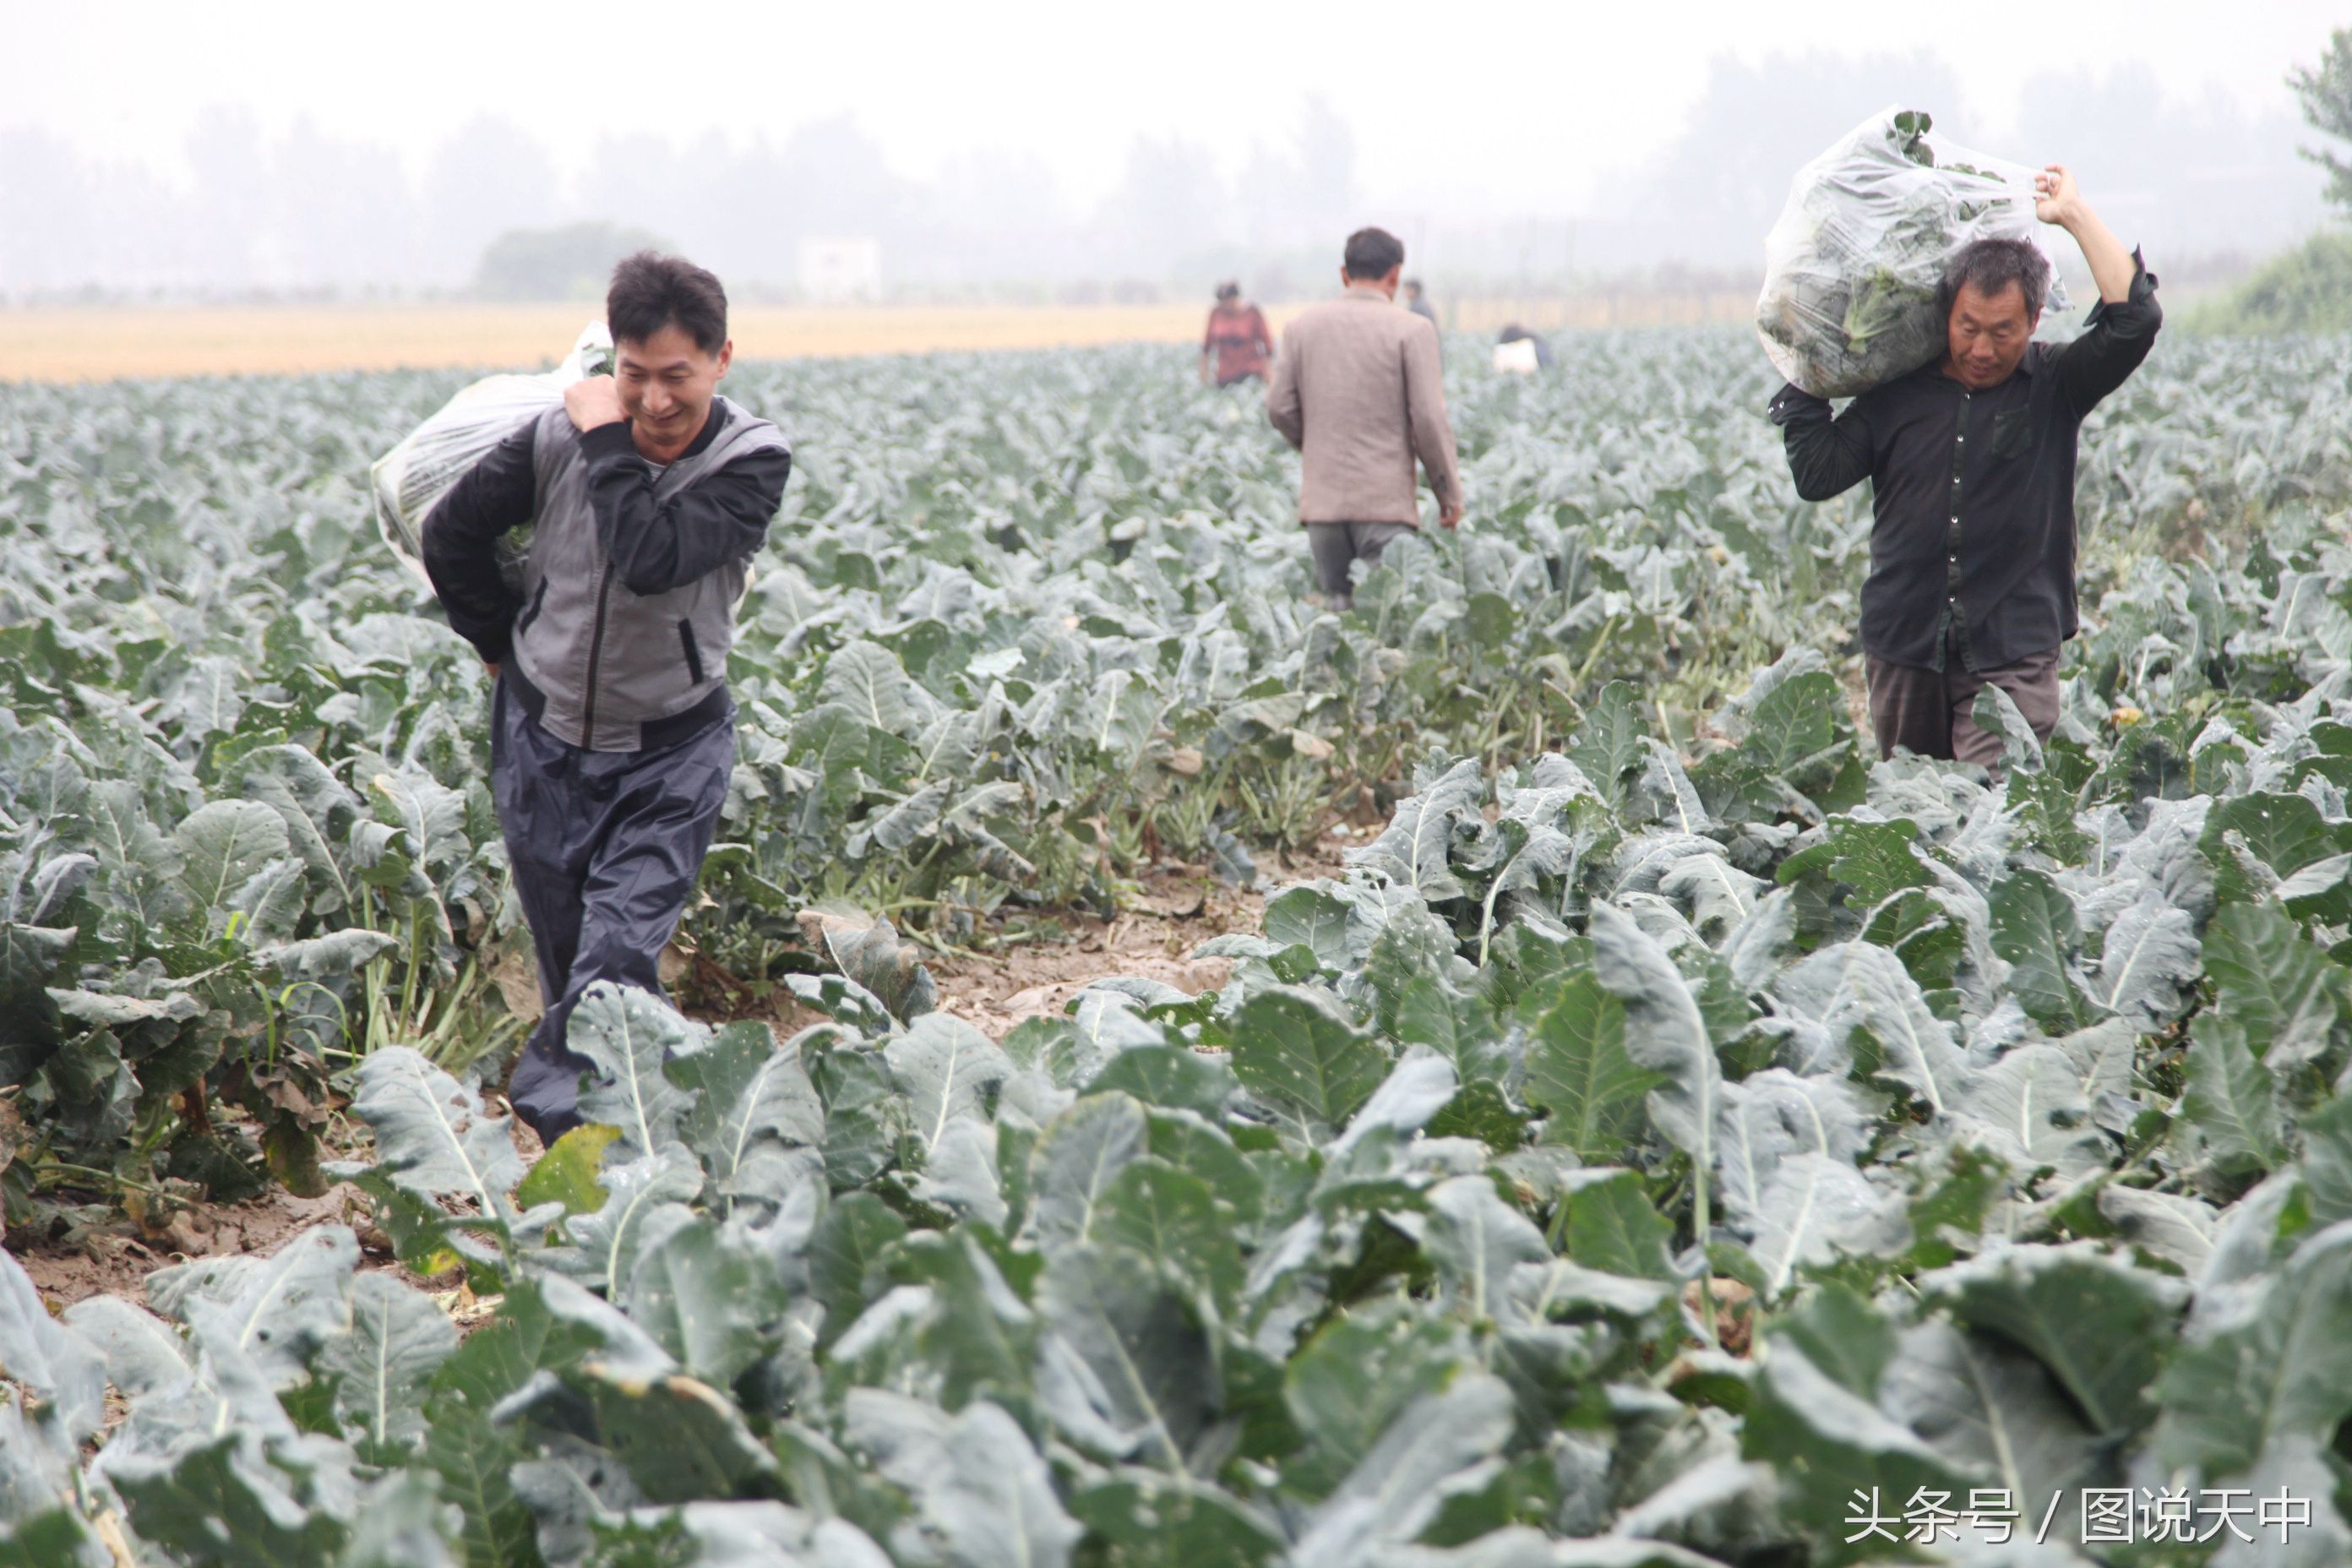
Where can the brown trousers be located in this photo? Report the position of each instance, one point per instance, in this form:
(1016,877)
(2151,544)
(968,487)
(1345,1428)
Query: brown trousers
(1931,711)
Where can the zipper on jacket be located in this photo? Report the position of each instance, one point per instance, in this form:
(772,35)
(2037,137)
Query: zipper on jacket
(538,602)
(595,656)
(693,651)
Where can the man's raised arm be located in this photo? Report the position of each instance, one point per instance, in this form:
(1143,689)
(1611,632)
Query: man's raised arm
(2122,324)
(461,536)
(1826,457)
(2057,201)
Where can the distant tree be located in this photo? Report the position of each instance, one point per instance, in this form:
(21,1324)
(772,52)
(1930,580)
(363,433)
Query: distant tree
(573,262)
(2201,177)
(646,180)
(339,215)
(49,229)
(1710,195)
(489,176)
(2308,290)
(228,216)
(2326,93)
(1327,166)
(1170,204)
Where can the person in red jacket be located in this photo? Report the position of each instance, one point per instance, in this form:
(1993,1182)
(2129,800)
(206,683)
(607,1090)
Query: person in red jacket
(1239,335)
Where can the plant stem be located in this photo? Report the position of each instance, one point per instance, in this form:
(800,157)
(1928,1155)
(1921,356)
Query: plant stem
(112,1178)
(408,977)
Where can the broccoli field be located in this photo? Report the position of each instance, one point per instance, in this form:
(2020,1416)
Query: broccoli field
(1677,1138)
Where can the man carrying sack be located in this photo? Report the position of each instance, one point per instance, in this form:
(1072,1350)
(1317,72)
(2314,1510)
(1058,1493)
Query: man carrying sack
(1357,390)
(1971,464)
(613,735)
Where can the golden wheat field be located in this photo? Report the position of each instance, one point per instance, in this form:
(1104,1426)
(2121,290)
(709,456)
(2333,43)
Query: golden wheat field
(112,343)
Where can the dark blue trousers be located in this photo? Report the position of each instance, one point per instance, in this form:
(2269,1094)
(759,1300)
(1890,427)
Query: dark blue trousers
(604,849)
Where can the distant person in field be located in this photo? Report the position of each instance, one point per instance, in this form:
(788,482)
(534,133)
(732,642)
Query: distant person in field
(1357,390)
(1971,465)
(613,735)
(1416,300)
(1516,334)
(1238,336)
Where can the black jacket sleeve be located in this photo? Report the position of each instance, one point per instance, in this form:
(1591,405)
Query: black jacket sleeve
(461,537)
(1826,457)
(2116,338)
(655,546)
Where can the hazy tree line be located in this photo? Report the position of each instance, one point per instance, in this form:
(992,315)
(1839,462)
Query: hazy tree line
(308,213)
(2201,181)
(305,213)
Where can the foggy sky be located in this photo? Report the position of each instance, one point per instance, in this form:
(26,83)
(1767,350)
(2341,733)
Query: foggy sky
(303,146)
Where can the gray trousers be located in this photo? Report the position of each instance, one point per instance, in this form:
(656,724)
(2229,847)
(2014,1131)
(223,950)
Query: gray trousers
(1339,545)
(604,849)
(1932,711)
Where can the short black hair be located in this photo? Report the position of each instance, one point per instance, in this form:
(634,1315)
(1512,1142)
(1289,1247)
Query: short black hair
(1228,290)
(1992,265)
(1373,253)
(650,292)
(1412,285)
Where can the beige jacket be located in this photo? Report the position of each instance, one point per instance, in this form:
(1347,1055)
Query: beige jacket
(1356,389)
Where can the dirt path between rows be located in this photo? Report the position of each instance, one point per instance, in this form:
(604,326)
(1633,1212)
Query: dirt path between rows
(1179,909)
(1177,913)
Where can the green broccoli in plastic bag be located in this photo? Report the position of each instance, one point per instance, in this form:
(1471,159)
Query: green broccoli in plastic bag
(1853,266)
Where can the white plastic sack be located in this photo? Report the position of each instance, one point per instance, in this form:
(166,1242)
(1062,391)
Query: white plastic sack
(410,479)
(1852,268)
(1516,358)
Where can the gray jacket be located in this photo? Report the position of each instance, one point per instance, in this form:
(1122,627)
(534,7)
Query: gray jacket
(619,637)
(578,612)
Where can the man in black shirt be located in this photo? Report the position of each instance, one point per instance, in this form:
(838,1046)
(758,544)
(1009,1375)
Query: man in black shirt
(1971,464)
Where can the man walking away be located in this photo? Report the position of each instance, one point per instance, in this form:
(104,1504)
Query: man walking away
(1238,336)
(612,732)
(1971,464)
(1356,389)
